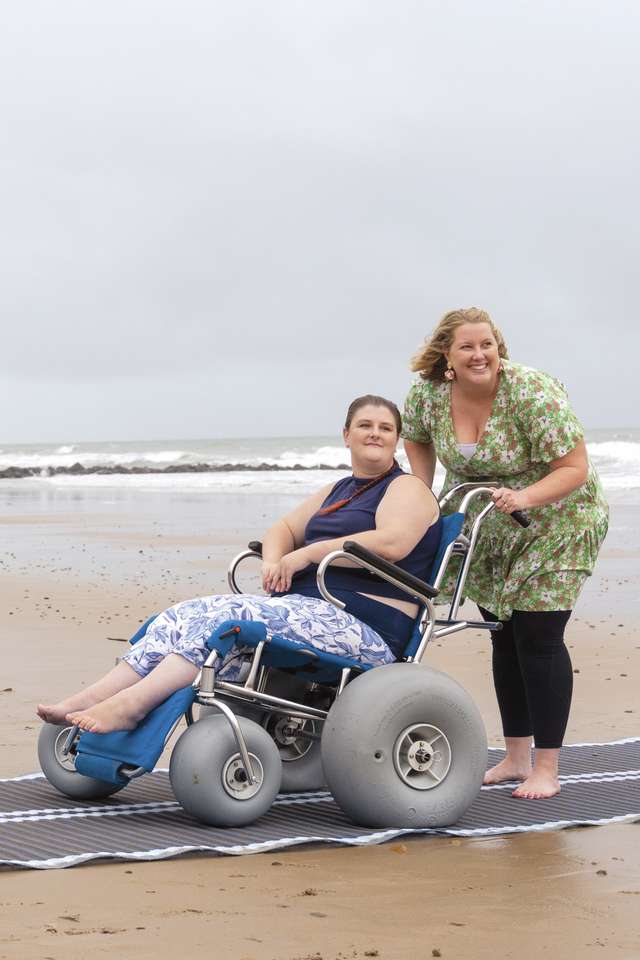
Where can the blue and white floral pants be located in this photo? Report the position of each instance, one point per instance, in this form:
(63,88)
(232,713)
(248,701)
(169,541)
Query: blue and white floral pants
(184,628)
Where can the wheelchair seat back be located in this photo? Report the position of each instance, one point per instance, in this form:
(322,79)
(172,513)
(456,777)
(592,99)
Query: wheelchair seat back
(451,528)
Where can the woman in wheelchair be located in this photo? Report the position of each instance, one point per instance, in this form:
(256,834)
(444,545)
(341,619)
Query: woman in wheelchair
(379,506)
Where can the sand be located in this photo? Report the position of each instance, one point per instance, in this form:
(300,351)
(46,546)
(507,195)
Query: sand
(75,586)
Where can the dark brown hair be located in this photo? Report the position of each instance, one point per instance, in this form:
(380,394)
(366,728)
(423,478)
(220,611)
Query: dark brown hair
(375,401)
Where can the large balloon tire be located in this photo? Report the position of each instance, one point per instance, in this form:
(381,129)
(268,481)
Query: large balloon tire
(60,771)
(375,724)
(303,772)
(299,774)
(202,772)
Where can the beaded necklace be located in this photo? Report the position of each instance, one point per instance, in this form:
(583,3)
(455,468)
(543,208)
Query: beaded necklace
(367,486)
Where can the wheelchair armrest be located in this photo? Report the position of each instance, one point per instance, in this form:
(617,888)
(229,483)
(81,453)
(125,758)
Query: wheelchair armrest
(384,566)
(254,550)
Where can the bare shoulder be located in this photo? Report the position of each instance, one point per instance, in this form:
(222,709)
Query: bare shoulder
(326,489)
(415,490)
(307,507)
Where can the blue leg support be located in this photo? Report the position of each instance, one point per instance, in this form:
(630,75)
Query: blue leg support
(101,755)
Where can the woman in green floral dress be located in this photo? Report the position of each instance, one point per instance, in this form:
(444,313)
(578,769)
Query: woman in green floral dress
(487,418)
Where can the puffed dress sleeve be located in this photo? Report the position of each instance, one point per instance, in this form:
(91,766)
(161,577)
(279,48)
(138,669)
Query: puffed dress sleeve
(545,417)
(417,413)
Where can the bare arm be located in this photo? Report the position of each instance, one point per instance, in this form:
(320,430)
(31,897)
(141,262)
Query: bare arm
(405,513)
(287,533)
(565,475)
(422,458)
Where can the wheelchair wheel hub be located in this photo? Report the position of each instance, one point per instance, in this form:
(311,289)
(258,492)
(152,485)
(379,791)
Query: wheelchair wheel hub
(286,730)
(293,736)
(66,760)
(422,756)
(235,780)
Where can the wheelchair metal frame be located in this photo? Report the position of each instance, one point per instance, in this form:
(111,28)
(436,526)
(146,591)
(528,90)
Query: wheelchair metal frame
(252,690)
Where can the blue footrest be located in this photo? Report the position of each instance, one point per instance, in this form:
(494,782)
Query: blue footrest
(101,755)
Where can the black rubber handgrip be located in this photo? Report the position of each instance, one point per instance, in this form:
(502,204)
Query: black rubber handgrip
(414,583)
(521,518)
(256,546)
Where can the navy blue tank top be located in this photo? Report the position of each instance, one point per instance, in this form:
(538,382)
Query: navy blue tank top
(356,517)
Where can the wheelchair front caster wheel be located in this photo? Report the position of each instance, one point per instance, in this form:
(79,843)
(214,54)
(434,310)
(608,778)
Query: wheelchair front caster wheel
(59,768)
(208,778)
(404,746)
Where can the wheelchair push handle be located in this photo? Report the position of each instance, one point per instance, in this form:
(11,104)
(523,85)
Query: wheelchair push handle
(474,487)
(518,515)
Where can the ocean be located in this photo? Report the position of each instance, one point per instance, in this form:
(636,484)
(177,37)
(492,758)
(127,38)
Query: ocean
(277,465)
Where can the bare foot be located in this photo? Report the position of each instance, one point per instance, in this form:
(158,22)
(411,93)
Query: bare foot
(506,771)
(117,713)
(57,712)
(539,786)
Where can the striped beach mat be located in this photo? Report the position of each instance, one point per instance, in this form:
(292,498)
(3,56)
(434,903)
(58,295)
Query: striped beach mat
(40,828)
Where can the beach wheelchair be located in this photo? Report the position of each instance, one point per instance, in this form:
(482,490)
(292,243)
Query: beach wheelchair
(399,744)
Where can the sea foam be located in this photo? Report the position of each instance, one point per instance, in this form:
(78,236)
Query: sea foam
(250,465)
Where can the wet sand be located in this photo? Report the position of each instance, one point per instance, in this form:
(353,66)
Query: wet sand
(75,585)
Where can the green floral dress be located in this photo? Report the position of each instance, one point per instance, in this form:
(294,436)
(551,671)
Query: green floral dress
(544,566)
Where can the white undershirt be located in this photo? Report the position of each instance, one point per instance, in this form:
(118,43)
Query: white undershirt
(467,449)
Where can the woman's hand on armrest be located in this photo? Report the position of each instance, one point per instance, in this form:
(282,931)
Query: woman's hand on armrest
(277,576)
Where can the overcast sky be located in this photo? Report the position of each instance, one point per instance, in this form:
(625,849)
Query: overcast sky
(227,219)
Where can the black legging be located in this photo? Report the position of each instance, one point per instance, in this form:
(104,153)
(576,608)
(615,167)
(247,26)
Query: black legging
(532,674)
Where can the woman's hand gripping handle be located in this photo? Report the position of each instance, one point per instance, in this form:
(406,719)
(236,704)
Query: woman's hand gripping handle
(511,502)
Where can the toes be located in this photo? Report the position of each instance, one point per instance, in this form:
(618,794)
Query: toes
(525,793)
(77,720)
(534,794)
(86,722)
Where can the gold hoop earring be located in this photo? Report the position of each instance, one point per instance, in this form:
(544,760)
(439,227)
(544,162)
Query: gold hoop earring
(449,373)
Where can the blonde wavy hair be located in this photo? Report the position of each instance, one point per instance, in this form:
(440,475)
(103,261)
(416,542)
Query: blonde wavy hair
(431,362)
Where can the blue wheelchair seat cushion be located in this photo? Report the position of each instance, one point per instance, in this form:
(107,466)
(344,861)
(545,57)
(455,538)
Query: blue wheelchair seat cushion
(282,652)
(101,755)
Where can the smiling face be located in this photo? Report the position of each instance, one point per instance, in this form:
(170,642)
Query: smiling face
(474,356)
(372,437)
